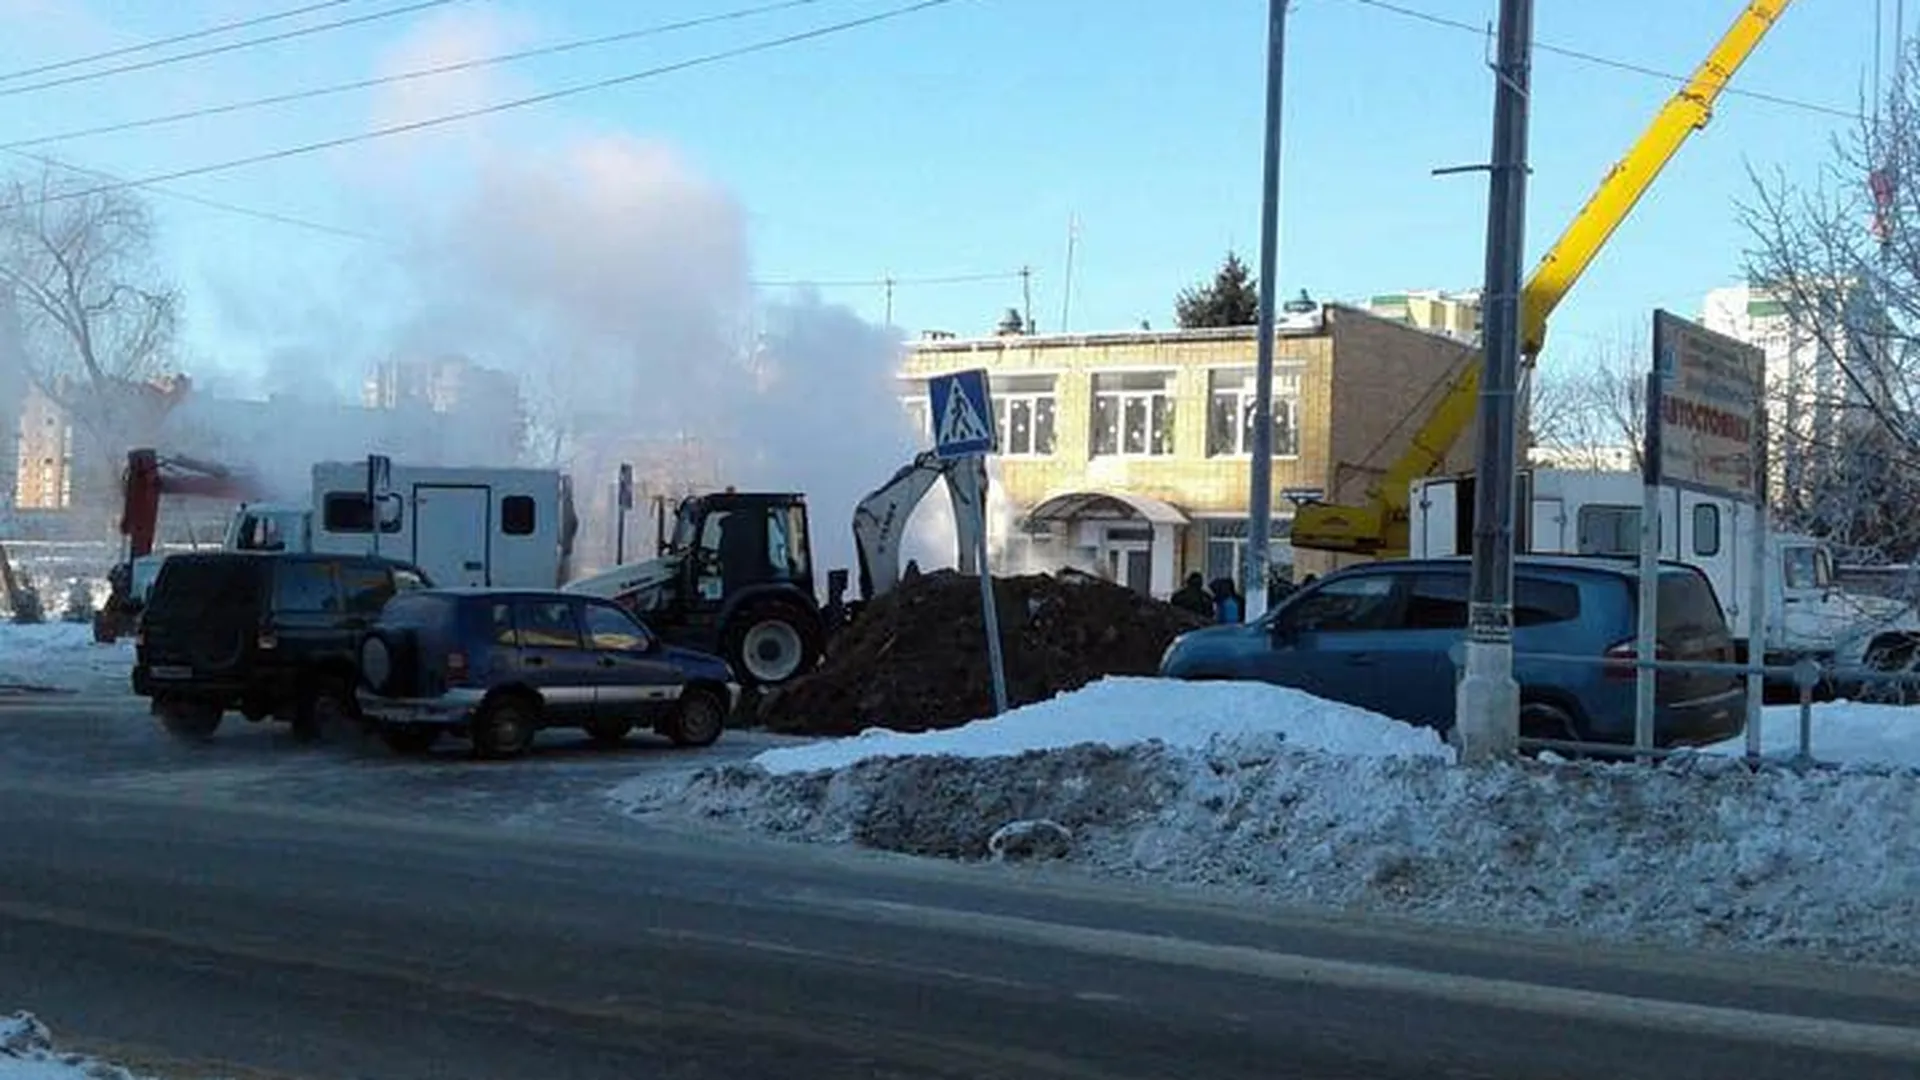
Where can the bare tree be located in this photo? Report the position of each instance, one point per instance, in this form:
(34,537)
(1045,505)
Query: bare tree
(1841,259)
(1593,416)
(94,315)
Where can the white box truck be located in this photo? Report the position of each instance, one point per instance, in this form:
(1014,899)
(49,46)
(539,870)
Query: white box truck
(463,526)
(1565,511)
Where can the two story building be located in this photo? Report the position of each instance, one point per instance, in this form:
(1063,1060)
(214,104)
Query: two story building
(1129,452)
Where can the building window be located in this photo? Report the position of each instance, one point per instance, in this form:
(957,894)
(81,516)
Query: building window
(1230,417)
(1023,411)
(1133,414)
(1227,549)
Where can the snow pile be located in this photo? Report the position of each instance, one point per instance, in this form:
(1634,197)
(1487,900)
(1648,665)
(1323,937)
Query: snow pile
(27,1053)
(1259,789)
(1843,732)
(1118,712)
(61,656)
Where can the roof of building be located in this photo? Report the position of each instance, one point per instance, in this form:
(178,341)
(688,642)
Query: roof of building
(1329,313)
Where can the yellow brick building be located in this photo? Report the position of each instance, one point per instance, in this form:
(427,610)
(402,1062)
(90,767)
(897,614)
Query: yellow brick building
(1128,451)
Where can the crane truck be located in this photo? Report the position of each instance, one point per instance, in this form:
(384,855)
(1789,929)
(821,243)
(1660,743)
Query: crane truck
(734,571)
(1378,526)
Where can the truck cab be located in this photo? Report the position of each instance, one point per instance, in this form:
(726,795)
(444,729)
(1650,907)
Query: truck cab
(270,527)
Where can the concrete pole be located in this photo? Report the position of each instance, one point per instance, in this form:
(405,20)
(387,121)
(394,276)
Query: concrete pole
(1487,706)
(1260,493)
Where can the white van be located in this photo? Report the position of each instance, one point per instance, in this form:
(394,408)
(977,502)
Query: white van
(463,526)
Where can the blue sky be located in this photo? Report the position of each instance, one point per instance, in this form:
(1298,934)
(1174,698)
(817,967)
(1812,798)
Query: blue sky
(956,141)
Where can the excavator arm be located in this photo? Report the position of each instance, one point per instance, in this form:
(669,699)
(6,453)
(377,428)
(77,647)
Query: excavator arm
(880,521)
(1378,527)
(149,476)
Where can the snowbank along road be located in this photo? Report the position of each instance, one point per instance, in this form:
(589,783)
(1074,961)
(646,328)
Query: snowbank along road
(1272,792)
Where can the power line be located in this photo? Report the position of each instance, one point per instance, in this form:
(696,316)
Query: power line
(157,43)
(407,76)
(199,200)
(1609,62)
(504,106)
(231,46)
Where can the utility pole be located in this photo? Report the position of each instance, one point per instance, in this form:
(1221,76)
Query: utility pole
(1260,493)
(888,282)
(1487,705)
(1026,297)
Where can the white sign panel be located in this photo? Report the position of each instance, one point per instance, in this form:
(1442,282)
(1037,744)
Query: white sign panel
(1711,409)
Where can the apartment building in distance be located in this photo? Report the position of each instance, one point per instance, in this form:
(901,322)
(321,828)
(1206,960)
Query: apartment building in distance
(451,385)
(1809,396)
(1130,451)
(1455,313)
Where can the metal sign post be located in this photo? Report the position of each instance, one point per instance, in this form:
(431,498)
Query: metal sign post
(379,478)
(1647,634)
(963,427)
(624,499)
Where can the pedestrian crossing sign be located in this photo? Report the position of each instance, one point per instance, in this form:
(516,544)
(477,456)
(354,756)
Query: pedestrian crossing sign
(962,414)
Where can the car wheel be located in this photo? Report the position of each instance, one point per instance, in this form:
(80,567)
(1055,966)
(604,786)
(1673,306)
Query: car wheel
(609,733)
(772,644)
(505,727)
(329,708)
(192,721)
(409,740)
(1540,720)
(699,718)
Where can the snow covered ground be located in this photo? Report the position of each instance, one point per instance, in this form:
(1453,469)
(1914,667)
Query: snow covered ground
(61,656)
(1843,732)
(27,1053)
(1259,788)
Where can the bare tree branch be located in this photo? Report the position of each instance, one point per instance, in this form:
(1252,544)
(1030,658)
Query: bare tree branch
(94,316)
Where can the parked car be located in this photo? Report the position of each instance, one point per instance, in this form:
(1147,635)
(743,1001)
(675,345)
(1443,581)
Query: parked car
(497,665)
(1382,636)
(269,635)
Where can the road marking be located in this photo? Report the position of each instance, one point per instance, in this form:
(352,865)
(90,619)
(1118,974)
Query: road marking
(1679,1017)
(824,956)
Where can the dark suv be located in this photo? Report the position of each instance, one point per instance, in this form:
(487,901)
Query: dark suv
(267,634)
(1381,636)
(497,665)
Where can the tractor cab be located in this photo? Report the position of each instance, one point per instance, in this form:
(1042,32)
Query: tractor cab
(728,542)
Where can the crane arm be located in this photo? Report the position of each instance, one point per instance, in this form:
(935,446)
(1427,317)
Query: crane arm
(1379,525)
(149,476)
(880,521)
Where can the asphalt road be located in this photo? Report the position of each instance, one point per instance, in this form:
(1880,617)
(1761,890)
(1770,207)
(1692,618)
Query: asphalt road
(334,914)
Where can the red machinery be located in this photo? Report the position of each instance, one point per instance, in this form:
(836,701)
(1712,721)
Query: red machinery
(148,477)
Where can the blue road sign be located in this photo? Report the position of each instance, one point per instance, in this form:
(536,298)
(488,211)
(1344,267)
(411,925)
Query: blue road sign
(962,414)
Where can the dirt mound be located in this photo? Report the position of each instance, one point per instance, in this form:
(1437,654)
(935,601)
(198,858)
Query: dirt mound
(916,658)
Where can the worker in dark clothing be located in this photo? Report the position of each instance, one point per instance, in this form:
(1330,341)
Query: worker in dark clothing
(1193,596)
(1226,601)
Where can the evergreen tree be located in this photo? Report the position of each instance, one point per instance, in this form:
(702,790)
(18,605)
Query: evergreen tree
(1232,298)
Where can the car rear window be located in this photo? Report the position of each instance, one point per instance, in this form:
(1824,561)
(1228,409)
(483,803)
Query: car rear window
(1438,600)
(1686,602)
(192,585)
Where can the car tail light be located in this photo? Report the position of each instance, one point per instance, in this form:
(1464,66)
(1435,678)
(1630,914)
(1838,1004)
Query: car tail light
(456,668)
(1624,653)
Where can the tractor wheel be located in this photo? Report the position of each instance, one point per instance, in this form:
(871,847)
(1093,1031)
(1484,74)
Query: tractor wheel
(773,643)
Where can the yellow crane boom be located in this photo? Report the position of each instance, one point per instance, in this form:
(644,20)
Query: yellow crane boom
(1378,527)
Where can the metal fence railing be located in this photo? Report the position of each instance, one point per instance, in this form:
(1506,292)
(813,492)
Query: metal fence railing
(1807,676)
